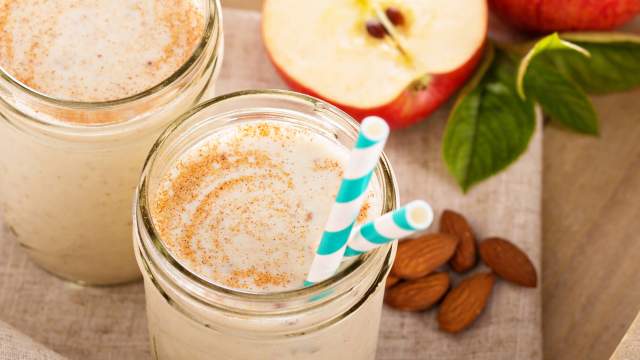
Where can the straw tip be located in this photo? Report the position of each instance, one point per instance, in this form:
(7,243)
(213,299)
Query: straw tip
(419,214)
(375,128)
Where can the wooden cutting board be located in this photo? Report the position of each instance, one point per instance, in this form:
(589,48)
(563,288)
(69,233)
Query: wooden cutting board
(109,323)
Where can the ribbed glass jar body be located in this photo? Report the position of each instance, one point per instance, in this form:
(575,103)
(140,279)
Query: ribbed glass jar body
(192,318)
(68,170)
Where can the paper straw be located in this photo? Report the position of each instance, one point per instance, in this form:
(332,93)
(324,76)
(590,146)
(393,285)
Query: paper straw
(415,216)
(362,161)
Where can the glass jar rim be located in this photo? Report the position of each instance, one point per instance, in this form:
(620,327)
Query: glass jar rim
(213,22)
(142,206)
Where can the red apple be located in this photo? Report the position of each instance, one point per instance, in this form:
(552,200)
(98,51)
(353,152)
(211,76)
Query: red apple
(565,15)
(402,72)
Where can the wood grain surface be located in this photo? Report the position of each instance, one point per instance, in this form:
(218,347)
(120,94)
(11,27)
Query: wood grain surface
(591,242)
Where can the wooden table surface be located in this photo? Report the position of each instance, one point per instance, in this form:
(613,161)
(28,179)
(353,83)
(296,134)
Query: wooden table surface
(591,227)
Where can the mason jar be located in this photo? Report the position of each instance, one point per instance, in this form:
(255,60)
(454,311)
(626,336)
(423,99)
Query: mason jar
(190,317)
(68,169)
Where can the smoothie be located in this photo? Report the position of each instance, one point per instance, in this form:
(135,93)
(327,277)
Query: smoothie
(246,207)
(228,216)
(96,50)
(85,88)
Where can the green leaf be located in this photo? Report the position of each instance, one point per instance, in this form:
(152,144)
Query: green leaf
(614,64)
(558,95)
(561,98)
(548,43)
(490,125)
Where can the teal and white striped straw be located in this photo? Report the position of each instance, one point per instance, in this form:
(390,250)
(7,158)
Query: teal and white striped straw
(413,217)
(362,161)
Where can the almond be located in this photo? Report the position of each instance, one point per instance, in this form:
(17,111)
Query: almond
(391,280)
(419,294)
(419,257)
(462,305)
(455,224)
(508,261)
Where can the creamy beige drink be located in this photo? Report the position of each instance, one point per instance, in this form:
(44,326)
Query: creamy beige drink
(246,207)
(96,50)
(85,87)
(238,204)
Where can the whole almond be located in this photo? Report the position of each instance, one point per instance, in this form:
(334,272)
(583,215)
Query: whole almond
(391,280)
(419,257)
(419,294)
(462,305)
(508,261)
(455,224)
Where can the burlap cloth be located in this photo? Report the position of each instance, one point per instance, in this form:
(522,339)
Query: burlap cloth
(109,323)
(17,346)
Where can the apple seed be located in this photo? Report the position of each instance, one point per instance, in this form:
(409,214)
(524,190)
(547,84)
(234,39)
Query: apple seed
(376,29)
(395,16)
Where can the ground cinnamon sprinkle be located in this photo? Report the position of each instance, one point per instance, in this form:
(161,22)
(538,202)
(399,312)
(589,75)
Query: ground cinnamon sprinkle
(34,36)
(225,209)
(6,38)
(185,24)
(328,165)
(364,212)
(184,188)
(261,279)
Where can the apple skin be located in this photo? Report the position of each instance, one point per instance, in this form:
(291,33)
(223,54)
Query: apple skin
(565,15)
(412,105)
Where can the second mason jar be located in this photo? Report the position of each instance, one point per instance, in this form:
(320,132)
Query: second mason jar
(71,148)
(234,170)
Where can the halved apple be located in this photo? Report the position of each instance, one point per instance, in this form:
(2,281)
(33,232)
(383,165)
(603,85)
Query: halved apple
(324,48)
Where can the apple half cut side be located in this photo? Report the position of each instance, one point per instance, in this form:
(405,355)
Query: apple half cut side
(323,48)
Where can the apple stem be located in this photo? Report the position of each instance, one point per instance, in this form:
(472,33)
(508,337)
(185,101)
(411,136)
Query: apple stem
(421,83)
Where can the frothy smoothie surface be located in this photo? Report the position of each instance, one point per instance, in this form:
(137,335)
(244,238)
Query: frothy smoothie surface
(96,50)
(246,207)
